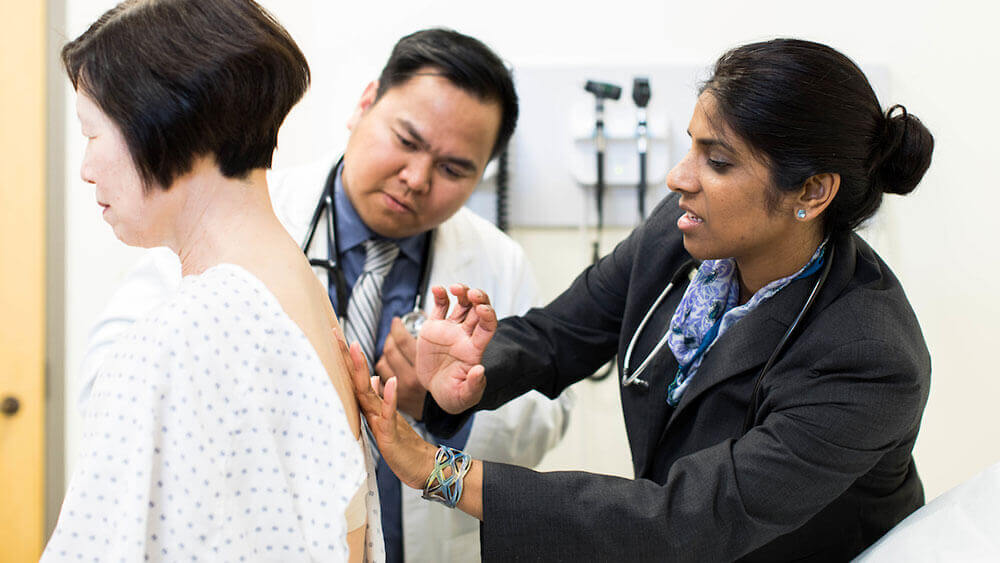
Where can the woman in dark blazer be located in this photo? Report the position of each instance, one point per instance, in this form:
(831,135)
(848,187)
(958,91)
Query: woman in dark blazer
(786,374)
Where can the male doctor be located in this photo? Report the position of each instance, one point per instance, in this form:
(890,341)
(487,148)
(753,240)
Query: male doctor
(421,136)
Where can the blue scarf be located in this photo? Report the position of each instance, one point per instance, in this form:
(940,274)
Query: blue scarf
(708,309)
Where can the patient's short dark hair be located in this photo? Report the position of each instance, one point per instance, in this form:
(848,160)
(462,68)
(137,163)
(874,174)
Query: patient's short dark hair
(465,61)
(190,78)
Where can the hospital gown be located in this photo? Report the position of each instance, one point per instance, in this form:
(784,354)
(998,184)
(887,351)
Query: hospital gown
(213,433)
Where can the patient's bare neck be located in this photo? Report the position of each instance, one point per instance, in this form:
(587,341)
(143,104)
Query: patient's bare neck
(223,220)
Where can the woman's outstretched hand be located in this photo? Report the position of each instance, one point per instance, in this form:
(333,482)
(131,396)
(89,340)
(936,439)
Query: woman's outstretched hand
(450,347)
(408,455)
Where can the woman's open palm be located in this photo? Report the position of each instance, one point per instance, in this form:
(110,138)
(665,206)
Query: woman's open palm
(450,348)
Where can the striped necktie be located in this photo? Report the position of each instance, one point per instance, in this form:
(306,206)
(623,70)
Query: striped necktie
(364,309)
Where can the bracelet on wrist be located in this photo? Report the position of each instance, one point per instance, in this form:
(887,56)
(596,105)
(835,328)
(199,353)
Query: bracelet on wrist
(444,484)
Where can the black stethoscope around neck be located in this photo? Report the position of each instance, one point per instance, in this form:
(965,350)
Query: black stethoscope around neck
(631,377)
(335,273)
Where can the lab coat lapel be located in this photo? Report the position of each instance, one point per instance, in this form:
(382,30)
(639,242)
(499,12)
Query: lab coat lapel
(451,257)
(319,248)
(294,195)
(298,227)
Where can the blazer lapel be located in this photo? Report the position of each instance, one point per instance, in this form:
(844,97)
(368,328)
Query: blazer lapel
(748,344)
(646,409)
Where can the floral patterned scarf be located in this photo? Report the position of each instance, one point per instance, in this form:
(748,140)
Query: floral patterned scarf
(708,309)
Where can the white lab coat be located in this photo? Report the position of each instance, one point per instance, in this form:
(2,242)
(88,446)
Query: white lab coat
(467,249)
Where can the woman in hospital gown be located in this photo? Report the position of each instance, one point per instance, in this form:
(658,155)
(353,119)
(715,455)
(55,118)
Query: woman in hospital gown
(221,426)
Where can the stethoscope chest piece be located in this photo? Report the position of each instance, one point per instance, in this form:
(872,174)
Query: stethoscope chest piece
(413,321)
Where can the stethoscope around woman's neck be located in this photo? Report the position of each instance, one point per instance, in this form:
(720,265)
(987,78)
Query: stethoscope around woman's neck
(335,272)
(631,377)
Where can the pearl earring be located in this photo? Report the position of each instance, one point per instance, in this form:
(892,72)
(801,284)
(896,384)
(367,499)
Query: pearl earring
(801,213)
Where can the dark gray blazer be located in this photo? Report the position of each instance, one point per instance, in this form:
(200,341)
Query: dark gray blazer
(825,470)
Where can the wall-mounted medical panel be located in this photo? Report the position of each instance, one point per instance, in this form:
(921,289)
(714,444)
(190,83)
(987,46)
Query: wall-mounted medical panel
(552,158)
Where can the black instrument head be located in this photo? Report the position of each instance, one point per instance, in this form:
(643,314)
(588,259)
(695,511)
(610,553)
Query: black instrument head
(640,91)
(603,90)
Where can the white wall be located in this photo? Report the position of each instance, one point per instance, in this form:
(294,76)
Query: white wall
(941,240)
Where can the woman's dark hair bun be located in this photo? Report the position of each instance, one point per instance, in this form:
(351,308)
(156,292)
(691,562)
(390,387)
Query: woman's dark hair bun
(902,154)
(810,110)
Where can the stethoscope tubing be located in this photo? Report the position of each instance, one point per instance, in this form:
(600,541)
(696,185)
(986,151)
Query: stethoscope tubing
(630,378)
(334,272)
(786,338)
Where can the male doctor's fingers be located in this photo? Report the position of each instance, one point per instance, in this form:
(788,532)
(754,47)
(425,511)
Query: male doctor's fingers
(398,357)
(401,341)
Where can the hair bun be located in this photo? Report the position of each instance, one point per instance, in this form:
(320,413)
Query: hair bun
(902,153)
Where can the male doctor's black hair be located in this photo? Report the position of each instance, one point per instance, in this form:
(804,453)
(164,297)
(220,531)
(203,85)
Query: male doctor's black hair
(465,62)
(190,78)
(808,109)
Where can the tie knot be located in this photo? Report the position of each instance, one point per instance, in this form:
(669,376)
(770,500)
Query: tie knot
(379,255)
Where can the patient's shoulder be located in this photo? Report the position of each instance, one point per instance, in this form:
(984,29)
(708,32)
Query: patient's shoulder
(222,315)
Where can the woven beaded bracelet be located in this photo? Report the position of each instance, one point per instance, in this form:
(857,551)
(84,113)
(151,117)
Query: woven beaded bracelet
(447,489)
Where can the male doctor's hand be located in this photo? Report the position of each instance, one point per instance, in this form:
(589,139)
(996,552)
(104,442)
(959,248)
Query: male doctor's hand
(398,360)
(450,347)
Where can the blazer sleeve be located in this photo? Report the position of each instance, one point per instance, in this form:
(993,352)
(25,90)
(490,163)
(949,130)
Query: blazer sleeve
(852,405)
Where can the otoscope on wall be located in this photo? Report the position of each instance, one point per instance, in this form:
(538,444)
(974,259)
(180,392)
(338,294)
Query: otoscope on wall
(640,95)
(601,91)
